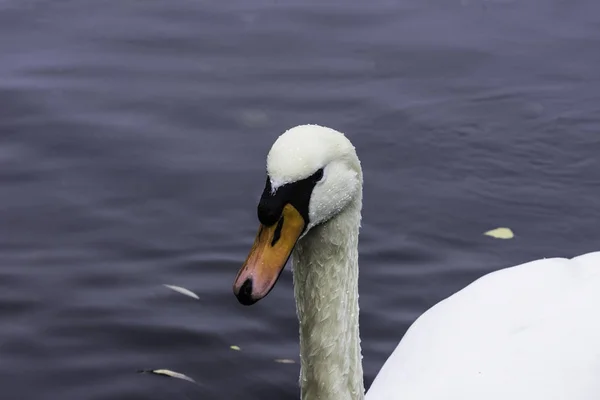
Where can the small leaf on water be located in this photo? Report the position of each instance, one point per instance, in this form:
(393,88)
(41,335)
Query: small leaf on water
(234,347)
(500,233)
(284,361)
(169,373)
(183,291)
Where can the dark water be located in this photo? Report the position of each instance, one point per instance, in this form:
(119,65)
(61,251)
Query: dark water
(133,137)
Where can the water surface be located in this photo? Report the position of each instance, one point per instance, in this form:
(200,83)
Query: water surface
(132,154)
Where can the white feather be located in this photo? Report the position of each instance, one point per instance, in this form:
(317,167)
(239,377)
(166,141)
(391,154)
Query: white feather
(183,291)
(169,373)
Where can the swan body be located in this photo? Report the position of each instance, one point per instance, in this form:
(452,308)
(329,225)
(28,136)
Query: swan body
(528,332)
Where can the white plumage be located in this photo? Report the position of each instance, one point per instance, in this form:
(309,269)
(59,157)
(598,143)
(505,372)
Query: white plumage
(530,332)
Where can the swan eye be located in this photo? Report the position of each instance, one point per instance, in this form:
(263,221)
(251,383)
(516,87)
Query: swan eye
(297,194)
(317,176)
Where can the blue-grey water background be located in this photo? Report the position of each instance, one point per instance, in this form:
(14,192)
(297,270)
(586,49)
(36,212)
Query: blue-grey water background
(133,137)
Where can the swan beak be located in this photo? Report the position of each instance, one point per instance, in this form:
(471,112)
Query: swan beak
(271,249)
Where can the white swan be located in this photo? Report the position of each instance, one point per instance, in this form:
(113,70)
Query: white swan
(530,332)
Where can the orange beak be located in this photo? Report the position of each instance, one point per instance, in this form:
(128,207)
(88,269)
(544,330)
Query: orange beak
(271,249)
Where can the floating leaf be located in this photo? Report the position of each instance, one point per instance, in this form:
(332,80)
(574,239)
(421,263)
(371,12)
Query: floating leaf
(183,291)
(234,347)
(169,373)
(284,361)
(500,233)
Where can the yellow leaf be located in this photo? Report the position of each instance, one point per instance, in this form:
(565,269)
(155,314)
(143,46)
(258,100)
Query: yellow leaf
(500,233)
(234,347)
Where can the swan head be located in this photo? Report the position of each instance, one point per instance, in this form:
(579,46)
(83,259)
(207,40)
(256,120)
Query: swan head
(313,174)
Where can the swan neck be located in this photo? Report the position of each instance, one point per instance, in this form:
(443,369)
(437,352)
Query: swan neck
(325,269)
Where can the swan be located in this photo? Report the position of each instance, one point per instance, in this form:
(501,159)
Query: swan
(529,332)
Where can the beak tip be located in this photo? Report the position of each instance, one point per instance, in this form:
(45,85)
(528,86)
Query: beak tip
(243,292)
